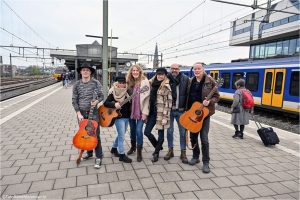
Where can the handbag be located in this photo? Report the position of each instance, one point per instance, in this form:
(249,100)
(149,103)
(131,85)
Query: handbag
(236,109)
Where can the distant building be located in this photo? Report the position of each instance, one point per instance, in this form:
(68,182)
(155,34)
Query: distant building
(7,70)
(276,35)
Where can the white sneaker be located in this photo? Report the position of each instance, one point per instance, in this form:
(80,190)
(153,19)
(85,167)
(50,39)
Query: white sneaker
(98,162)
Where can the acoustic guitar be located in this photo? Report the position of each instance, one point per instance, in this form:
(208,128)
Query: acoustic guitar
(192,119)
(86,138)
(107,116)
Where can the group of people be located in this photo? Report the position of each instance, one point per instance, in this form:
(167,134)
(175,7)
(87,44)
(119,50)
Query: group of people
(156,103)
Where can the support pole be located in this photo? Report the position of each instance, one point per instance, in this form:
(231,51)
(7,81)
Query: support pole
(105,48)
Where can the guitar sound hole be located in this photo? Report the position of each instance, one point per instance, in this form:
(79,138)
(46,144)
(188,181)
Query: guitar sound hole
(198,112)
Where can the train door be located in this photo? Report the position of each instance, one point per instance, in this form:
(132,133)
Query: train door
(273,87)
(214,74)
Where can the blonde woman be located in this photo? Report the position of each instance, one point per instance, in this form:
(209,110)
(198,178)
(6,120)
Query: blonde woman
(139,108)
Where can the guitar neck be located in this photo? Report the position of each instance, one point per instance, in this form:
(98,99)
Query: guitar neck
(91,113)
(128,99)
(212,92)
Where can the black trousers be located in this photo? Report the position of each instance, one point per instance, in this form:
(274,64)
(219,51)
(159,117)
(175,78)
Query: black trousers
(204,141)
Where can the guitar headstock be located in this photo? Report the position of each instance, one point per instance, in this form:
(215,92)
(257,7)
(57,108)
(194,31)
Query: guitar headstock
(144,89)
(219,82)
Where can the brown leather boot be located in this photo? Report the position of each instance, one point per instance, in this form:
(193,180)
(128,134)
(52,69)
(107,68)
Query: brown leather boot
(183,157)
(132,148)
(170,154)
(139,156)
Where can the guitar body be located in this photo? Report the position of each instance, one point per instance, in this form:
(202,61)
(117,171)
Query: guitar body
(86,138)
(107,116)
(192,119)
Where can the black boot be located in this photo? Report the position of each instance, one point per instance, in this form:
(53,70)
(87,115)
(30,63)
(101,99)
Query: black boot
(124,158)
(240,135)
(115,152)
(236,134)
(155,157)
(132,148)
(153,141)
(139,156)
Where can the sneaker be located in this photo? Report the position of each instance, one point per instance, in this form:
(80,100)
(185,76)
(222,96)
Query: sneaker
(205,168)
(87,156)
(98,162)
(194,161)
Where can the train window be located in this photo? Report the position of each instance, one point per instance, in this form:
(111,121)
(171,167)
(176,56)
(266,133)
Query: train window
(279,48)
(268,82)
(285,47)
(235,77)
(226,78)
(216,76)
(262,51)
(270,49)
(252,81)
(278,82)
(297,45)
(292,47)
(294,86)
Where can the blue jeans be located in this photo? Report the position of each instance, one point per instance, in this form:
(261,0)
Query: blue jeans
(98,149)
(204,141)
(121,126)
(176,115)
(136,131)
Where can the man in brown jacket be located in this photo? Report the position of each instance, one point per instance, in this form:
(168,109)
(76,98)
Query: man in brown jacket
(198,89)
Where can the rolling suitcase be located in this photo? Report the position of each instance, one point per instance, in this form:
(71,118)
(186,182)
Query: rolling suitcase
(267,135)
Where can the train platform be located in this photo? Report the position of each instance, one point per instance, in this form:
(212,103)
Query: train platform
(38,159)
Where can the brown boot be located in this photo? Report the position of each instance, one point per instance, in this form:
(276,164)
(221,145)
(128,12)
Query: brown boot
(183,157)
(132,148)
(139,156)
(170,154)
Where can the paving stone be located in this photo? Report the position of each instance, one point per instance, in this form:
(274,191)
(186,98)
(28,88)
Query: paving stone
(76,172)
(269,177)
(168,188)
(98,189)
(156,169)
(217,164)
(188,175)
(255,178)
(23,162)
(187,186)
(245,192)
(220,172)
(87,180)
(147,182)
(168,197)
(207,194)
(28,169)
(170,176)
(284,176)
(235,171)
(185,195)
(295,195)
(249,170)
(65,183)
(112,196)
(278,188)
(38,161)
(39,186)
(135,184)
(52,194)
(115,168)
(126,175)
(142,173)
(7,164)
(226,193)
(137,194)
(17,156)
(38,176)
(107,177)
(12,179)
(263,168)
(292,185)
(283,196)
(172,167)
(239,180)
(49,167)
(157,178)
(262,190)
(121,186)
(153,193)
(60,158)
(76,192)
(223,182)
(15,189)
(37,155)
(206,184)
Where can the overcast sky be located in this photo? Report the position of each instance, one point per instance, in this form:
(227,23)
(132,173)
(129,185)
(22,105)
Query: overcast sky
(139,24)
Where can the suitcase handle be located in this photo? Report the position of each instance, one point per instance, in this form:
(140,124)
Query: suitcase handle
(256,122)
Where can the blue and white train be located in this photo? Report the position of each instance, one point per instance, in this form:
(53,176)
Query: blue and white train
(274,83)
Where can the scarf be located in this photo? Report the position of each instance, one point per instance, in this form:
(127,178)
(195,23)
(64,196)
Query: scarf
(153,93)
(118,93)
(174,82)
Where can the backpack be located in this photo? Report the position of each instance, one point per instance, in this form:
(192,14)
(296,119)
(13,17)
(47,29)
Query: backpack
(247,99)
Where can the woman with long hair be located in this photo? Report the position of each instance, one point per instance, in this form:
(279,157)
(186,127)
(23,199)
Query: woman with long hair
(139,108)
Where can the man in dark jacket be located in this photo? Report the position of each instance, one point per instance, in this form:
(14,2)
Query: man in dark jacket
(198,89)
(179,83)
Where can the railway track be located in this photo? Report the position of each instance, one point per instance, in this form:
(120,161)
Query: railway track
(12,88)
(274,119)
